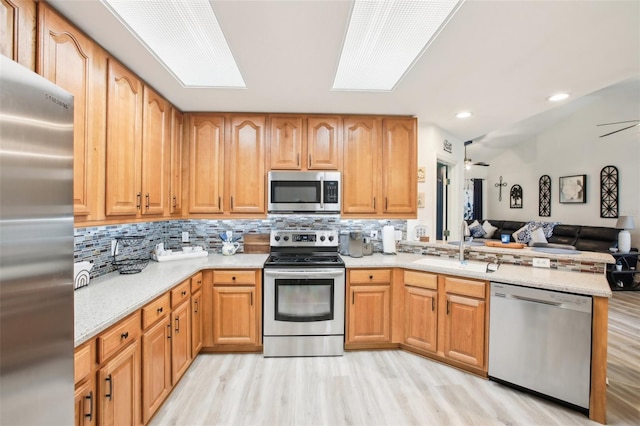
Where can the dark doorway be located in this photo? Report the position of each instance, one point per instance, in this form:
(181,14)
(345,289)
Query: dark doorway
(442,201)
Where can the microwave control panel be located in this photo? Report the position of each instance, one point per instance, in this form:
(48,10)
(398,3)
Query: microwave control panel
(331,195)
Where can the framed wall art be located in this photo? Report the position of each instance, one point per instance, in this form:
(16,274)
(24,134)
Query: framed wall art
(573,189)
(515,196)
(609,192)
(544,196)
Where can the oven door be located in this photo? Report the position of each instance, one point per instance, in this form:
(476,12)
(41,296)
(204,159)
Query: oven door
(304,301)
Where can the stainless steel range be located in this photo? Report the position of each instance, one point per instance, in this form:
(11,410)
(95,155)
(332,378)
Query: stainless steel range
(304,292)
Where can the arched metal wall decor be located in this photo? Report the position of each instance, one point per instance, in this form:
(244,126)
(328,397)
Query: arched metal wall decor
(515,197)
(544,196)
(609,192)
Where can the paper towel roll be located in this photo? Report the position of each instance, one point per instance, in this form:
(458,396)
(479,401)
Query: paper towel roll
(388,239)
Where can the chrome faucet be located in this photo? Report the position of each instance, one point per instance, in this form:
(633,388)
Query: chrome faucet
(464,232)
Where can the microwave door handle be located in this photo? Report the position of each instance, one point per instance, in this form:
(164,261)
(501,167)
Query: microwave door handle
(304,273)
(322,193)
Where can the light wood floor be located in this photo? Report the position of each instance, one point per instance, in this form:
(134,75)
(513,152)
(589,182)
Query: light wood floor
(389,388)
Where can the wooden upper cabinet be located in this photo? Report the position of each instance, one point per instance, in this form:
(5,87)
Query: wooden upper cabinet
(18,40)
(399,165)
(361,171)
(246,165)
(175,169)
(206,163)
(124,141)
(286,142)
(323,143)
(156,138)
(72,61)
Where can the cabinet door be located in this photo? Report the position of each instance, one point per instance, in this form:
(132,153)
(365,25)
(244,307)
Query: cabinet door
(464,330)
(85,411)
(119,389)
(234,315)
(399,167)
(286,142)
(72,61)
(246,165)
(175,180)
(369,316)
(180,341)
(360,179)
(156,367)
(18,40)
(196,323)
(420,318)
(124,140)
(155,152)
(206,163)
(323,143)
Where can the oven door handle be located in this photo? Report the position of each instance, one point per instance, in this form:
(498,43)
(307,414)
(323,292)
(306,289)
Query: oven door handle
(305,273)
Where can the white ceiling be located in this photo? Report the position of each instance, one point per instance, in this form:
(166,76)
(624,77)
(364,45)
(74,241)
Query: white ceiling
(499,59)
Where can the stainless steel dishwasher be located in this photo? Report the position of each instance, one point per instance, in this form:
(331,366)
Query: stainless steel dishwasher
(540,340)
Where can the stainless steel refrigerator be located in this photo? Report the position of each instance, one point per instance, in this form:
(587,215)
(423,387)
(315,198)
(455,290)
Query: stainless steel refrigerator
(36,249)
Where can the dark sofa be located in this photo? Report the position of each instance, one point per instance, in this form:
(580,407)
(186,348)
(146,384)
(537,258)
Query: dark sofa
(584,238)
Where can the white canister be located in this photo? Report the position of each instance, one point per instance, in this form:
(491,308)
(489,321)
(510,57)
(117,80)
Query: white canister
(388,239)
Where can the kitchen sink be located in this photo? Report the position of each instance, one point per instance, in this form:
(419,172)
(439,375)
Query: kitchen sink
(439,262)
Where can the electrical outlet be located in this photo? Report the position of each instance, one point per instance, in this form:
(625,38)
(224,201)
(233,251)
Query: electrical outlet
(185,236)
(113,248)
(540,262)
(374,234)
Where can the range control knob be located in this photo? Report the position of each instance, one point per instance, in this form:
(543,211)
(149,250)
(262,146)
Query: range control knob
(322,238)
(277,238)
(286,238)
(330,237)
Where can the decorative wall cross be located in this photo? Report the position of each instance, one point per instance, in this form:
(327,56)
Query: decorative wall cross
(500,185)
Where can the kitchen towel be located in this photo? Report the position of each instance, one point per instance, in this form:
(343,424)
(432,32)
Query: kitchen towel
(388,239)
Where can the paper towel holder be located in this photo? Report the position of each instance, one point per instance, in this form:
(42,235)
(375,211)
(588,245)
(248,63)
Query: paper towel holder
(388,240)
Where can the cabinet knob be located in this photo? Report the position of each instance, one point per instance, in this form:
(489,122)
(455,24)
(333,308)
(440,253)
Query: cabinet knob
(160,309)
(370,277)
(233,278)
(124,335)
(184,293)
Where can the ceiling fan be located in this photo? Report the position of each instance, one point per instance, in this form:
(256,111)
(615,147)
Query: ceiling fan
(468,162)
(637,123)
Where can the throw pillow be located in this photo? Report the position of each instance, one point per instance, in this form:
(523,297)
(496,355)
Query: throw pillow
(547,227)
(537,236)
(477,231)
(522,235)
(489,229)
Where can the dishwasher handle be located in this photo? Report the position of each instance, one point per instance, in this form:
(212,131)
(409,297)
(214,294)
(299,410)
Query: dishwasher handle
(530,299)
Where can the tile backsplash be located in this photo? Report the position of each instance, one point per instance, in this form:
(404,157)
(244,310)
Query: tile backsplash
(94,243)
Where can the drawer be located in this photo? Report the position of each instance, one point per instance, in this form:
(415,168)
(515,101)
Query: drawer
(81,363)
(155,310)
(370,276)
(180,293)
(118,336)
(234,277)
(465,287)
(421,279)
(196,282)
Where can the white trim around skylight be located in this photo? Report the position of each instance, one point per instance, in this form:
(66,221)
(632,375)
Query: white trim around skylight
(185,36)
(385,38)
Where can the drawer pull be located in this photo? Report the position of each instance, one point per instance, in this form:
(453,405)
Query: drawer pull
(110,393)
(160,310)
(183,293)
(233,278)
(124,335)
(90,398)
(370,277)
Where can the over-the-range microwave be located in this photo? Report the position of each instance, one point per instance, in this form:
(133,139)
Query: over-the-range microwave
(304,192)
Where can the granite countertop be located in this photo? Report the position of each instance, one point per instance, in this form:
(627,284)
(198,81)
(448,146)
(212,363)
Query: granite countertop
(549,279)
(112,297)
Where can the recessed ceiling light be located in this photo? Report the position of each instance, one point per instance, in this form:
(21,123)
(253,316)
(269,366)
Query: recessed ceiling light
(184,36)
(558,97)
(463,114)
(385,38)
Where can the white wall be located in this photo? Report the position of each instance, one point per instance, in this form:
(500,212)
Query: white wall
(430,151)
(572,147)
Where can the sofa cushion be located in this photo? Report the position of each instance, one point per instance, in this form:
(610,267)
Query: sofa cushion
(489,229)
(596,238)
(565,234)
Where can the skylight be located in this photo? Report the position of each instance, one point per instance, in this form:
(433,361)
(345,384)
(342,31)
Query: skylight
(385,38)
(185,36)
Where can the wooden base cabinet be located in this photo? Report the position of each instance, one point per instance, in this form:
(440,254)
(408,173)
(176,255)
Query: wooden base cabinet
(85,403)
(180,340)
(119,389)
(464,321)
(196,323)
(156,366)
(369,306)
(421,310)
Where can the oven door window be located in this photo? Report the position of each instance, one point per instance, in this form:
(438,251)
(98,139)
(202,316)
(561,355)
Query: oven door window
(304,300)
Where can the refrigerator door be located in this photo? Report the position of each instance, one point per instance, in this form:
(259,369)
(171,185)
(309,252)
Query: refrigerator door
(36,249)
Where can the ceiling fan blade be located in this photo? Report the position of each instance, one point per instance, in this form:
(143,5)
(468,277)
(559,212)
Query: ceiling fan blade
(618,122)
(481,163)
(619,130)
